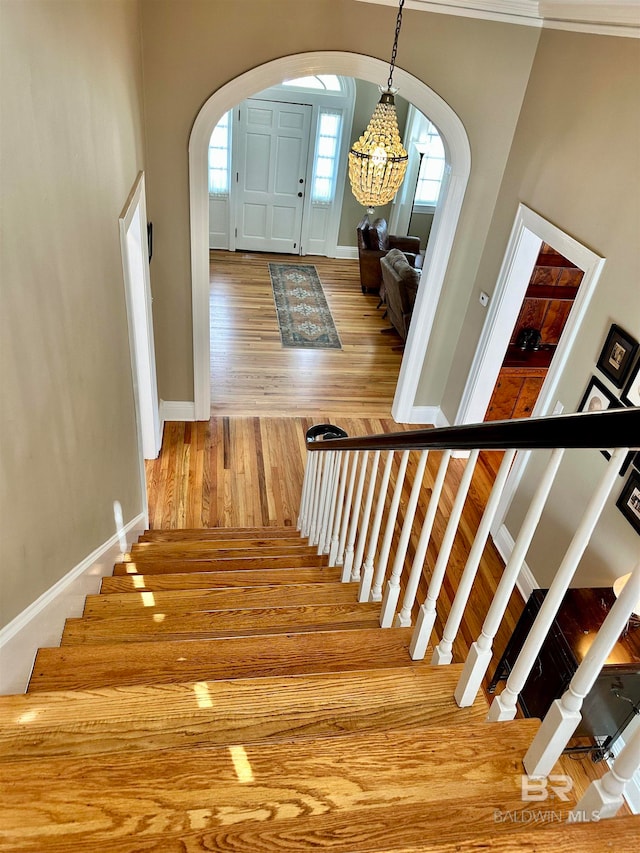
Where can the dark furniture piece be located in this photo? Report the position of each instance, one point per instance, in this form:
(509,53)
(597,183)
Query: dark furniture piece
(615,697)
(399,287)
(374,241)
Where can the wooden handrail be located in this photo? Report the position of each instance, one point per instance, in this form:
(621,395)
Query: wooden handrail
(595,430)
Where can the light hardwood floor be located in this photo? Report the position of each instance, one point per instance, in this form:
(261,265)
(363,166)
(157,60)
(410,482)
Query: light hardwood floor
(252,373)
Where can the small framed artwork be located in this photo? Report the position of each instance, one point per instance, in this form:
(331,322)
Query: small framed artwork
(631,394)
(617,355)
(629,501)
(597,398)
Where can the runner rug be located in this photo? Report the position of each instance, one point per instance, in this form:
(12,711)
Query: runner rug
(303,314)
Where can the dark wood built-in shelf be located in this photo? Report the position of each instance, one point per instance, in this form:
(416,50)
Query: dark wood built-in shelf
(547,291)
(534,359)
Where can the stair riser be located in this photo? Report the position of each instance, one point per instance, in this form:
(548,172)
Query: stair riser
(206,534)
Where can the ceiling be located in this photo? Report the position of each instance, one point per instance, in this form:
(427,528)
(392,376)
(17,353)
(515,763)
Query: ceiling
(609,17)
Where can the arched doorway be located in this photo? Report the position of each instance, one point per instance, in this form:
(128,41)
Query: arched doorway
(444,225)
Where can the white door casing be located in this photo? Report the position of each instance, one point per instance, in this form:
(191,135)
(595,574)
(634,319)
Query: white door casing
(458,154)
(135,266)
(271,177)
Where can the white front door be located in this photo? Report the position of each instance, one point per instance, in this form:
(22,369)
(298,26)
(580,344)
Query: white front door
(271,175)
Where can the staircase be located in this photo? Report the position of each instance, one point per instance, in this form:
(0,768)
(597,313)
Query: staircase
(225,692)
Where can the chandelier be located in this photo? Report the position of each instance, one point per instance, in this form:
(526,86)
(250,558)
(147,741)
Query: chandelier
(378,160)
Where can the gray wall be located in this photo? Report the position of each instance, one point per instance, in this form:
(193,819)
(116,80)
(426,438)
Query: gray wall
(576,161)
(72,145)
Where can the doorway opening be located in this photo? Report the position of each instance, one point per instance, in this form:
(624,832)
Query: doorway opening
(444,226)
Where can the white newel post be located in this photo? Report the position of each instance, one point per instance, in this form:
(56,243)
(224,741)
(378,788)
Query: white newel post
(603,797)
(427,615)
(367,569)
(403,619)
(381,568)
(342,544)
(366,517)
(337,520)
(443,652)
(503,706)
(479,656)
(392,592)
(564,716)
(355,517)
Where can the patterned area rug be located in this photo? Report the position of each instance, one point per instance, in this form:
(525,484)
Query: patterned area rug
(303,314)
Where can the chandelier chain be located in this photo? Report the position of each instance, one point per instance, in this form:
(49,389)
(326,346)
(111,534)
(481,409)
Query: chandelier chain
(395,45)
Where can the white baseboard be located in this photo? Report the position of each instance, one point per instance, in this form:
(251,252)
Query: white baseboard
(349,253)
(504,542)
(42,622)
(428,415)
(177,410)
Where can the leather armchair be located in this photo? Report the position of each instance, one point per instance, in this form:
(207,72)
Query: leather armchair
(374,241)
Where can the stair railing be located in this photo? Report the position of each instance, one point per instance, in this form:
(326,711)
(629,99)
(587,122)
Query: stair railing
(617,430)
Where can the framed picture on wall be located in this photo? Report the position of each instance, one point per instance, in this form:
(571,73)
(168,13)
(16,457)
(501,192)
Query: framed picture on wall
(631,393)
(597,398)
(617,355)
(629,501)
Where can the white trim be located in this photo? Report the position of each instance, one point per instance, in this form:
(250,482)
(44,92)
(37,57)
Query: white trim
(428,415)
(614,17)
(527,235)
(347,252)
(135,269)
(177,410)
(42,622)
(444,224)
(504,543)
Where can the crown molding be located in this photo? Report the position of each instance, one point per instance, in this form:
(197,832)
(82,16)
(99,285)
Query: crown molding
(615,17)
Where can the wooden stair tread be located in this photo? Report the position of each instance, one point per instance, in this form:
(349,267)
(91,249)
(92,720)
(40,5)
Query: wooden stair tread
(211,546)
(220,623)
(142,717)
(452,783)
(134,582)
(192,600)
(80,667)
(223,561)
(184,534)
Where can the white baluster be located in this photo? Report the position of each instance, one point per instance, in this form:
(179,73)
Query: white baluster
(392,592)
(427,614)
(345,516)
(335,540)
(315,500)
(604,796)
(355,517)
(366,516)
(381,568)
(443,652)
(479,656)
(325,500)
(403,619)
(564,715)
(367,570)
(304,495)
(312,464)
(326,540)
(503,706)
